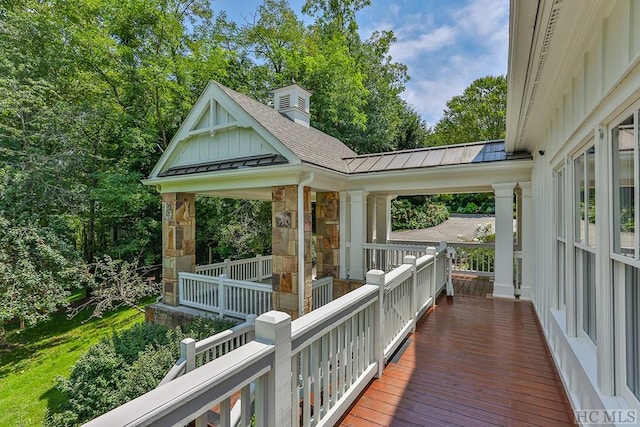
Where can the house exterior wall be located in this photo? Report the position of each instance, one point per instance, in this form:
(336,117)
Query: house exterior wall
(582,296)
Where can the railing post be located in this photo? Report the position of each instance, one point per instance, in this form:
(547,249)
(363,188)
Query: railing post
(413,304)
(376,277)
(227,267)
(259,258)
(251,320)
(188,353)
(450,254)
(273,402)
(180,289)
(222,295)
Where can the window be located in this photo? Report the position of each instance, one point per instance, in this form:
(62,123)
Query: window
(584,185)
(584,169)
(625,238)
(560,238)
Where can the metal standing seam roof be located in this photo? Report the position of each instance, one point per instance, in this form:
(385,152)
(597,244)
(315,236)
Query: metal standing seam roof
(220,165)
(477,152)
(308,144)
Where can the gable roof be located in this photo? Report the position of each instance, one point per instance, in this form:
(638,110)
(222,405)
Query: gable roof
(308,144)
(476,152)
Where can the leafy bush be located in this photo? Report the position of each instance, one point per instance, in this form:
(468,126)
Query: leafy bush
(123,367)
(405,215)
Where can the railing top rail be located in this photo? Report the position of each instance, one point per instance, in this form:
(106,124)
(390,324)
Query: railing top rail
(234,262)
(236,331)
(471,245)
(200,388)
(198,277)
(399,247)
(176,370)
(236,283)
(321,282)
(424,261)
(314,324)
(397,276)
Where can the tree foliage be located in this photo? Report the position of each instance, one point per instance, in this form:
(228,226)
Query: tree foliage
(36,272)
(478,114)
(92,92)
(123,367)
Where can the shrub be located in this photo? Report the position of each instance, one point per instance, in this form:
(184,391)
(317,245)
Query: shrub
(407,216)
(123,367)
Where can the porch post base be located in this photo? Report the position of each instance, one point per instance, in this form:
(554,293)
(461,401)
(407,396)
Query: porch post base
(503,291)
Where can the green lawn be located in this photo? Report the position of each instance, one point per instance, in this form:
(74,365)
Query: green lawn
(28,370)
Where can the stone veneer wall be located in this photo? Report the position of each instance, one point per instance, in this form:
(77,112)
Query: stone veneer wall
(178,240)
(328,234)
(285,249)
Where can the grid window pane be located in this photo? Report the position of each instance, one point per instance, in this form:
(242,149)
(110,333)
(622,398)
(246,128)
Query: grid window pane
(589,294)
(561,273)
(624,181)
(580,225)
(560,201)
(590,196)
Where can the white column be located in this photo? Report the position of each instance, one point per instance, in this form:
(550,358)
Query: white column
(345,235)
(358,206)
(526,240)
(383,218)
(503,284)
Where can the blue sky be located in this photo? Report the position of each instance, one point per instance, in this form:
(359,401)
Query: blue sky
(446,44)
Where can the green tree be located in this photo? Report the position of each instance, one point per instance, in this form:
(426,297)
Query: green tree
(37,270)
(476,115)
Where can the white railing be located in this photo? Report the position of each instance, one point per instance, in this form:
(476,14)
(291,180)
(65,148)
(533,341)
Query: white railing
(224,296)
(195,354)
(307,372)
(399,306)
(386,257)
(474,258)
(251,269)
(322,291)
(333,357)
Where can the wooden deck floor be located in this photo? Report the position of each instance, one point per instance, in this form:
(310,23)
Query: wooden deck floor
(472,285)
(472,362)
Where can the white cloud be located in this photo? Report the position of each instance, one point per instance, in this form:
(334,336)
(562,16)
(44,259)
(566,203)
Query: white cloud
(406,49)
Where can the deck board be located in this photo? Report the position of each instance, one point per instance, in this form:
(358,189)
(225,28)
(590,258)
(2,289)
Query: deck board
(472,361)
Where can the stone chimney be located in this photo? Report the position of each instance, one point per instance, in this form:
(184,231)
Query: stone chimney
(293,101)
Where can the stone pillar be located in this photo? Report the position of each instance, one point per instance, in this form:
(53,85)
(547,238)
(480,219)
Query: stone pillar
(503,285)
(285,249)
(327,234)
(358,212)
(178,241)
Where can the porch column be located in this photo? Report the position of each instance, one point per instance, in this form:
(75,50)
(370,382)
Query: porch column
(345,235)
(379,212)
(358,204)
(526,240)
(503,284)
(178,241)
(328,233)
(286,283)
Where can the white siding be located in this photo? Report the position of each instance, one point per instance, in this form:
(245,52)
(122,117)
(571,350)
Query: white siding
(223,145)
(603,85)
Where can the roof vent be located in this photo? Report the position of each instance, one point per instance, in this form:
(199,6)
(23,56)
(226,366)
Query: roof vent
(298,110)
